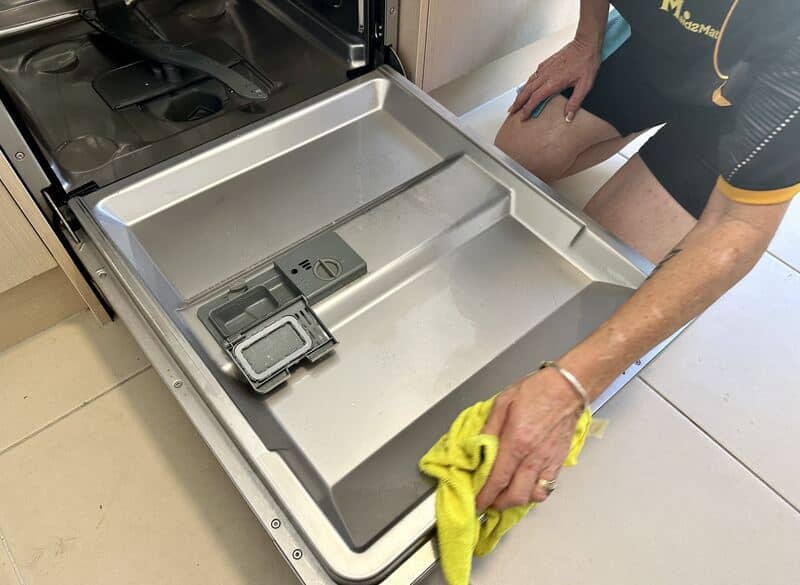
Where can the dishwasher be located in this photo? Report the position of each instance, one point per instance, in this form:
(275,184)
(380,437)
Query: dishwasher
(322,264)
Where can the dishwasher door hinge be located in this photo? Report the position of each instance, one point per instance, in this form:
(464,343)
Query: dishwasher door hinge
(65,217)
(391,23)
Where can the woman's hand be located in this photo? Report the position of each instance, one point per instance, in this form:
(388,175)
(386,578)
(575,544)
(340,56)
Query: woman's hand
(575,66)
(535,420)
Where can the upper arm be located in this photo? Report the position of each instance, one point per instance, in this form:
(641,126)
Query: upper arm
(760,155)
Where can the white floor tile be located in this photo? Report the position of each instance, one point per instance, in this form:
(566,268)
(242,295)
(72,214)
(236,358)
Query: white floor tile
(656,502)
(50,374)
(125,492)
(735,373)
(7,575)
(786,244)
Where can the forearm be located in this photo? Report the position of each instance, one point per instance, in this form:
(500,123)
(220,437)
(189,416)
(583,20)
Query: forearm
(710,260)
(592,23)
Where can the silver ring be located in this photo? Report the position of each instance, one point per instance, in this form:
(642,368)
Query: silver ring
(548,485)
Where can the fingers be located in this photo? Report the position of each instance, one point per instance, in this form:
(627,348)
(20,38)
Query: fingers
(525,93)
(521,466)
(506,464)
(579,94)
(497,418)
(520,100)
(494,424)
(557,450)
(518,492)
(540,493)
(537,97)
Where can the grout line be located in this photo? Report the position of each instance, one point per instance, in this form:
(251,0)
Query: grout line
(11,559)
(83,404)
(782,261)
(44,331)
(730,453)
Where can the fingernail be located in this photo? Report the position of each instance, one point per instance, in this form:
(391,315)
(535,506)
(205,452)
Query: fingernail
(570,117)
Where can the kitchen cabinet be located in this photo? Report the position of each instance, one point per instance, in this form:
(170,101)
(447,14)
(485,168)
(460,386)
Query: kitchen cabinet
(40,284)
(22,253)
(441,40)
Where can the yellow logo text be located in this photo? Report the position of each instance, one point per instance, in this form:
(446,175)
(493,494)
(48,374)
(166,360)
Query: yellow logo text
(684,17)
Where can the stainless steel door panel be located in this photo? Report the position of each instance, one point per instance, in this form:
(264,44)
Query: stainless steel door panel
(475,273)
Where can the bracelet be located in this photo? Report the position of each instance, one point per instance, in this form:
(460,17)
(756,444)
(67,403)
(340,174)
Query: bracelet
(573,382)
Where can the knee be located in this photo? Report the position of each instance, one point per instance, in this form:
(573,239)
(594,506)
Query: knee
(594,208)
(535,151)
(506,141)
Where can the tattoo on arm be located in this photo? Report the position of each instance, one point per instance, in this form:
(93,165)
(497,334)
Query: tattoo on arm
(670,255)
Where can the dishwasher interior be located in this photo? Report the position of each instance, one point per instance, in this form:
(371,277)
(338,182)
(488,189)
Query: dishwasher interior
(335,271)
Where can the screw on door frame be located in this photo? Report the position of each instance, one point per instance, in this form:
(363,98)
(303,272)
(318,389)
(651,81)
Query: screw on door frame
(275,523)
(19,155)
(101,273)
(297,554)
(177,384)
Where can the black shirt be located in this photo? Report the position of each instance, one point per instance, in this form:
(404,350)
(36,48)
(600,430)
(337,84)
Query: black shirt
(723,53)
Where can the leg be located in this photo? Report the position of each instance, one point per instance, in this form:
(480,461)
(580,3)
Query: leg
(551,148)
(598,153)
(618,107)
(634,206)
(654,200)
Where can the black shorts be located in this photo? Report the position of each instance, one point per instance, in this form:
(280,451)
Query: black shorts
(684,154)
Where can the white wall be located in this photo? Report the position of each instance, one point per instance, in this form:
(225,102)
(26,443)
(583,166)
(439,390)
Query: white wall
(441,40)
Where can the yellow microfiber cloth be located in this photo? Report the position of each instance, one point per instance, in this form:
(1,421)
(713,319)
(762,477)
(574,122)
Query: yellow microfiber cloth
(461,462)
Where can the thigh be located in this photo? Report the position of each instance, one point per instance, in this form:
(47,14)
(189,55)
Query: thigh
(655,199)
(684,155)
(618,106)
(548,146)
(636,208)
(600,152)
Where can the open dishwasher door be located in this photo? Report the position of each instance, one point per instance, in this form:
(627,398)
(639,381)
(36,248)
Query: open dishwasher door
(335,283)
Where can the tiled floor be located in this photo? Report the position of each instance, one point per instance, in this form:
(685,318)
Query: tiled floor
(634,525)
(735,373)
(53,373)
(786,244)
(7,574)
(103,479)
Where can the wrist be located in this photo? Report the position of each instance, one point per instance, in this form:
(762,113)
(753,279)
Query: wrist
(567,397)
(590,39)
(593,372)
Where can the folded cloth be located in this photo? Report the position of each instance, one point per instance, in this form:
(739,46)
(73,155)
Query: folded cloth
(617,32)
(461,462)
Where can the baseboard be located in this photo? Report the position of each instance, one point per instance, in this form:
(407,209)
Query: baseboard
(35,305)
